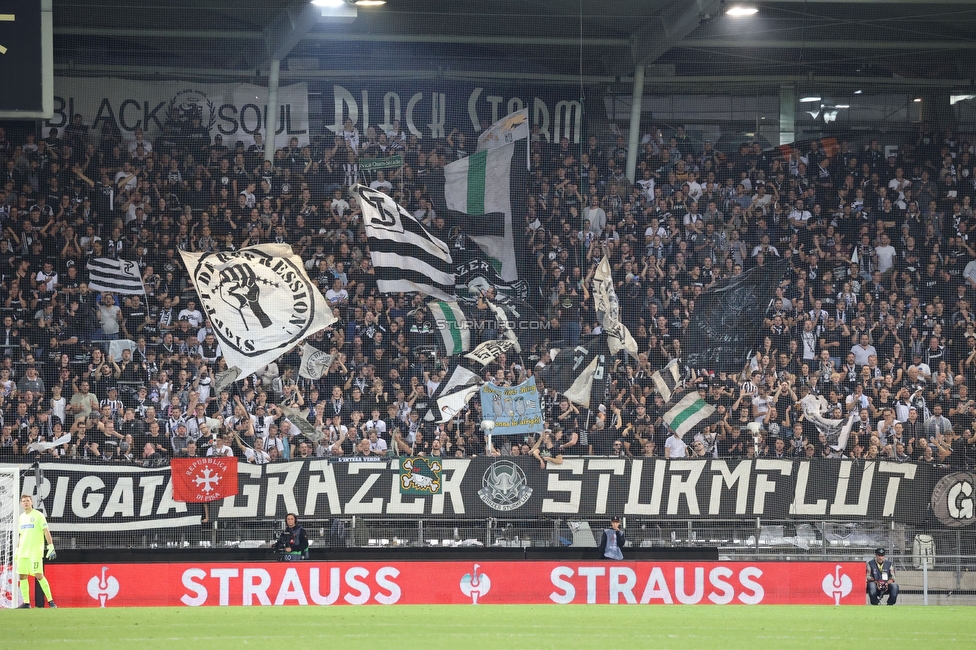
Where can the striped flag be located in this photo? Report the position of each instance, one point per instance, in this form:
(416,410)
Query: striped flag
(481,185)
(687,410)
(457,377)
(406,257)
(453,326)
(116,276)
(666,379)
(608,311)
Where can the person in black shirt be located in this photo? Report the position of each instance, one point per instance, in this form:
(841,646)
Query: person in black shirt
(292,544)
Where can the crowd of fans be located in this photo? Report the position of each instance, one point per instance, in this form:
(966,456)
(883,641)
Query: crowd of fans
(875,313)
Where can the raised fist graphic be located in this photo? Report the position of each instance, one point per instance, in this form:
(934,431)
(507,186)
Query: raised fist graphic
(239,289)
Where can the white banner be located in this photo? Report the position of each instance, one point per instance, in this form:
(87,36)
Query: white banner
(234,111)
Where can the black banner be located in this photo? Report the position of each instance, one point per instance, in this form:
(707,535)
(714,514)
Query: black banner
(432,109)
(724,329)
(98,498)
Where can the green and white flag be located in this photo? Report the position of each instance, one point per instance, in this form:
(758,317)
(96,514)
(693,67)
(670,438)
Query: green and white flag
(687,411)
(453,326)
(480,185)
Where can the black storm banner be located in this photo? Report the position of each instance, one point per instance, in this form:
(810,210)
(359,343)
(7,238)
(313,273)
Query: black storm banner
(98,498)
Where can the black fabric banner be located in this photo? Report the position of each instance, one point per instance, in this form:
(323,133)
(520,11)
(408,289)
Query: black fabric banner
(99,498)
(725,327)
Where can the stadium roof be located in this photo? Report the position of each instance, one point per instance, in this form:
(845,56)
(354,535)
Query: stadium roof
(685,41)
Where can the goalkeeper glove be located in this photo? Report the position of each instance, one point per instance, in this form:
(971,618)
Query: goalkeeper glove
(51,553)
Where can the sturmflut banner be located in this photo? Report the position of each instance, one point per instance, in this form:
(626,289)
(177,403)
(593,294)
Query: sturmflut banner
(81,497)
(233,111)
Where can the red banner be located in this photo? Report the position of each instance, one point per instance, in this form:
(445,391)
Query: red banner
(421,583)
(199,480)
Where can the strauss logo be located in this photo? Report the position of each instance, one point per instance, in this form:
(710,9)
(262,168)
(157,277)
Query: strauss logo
(837,585)
(474,585)
(103,589)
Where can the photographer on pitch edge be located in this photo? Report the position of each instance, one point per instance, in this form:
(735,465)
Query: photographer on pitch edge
(292,544)
(881,579)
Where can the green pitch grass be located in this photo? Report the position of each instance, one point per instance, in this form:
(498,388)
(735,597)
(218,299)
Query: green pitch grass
(492,626)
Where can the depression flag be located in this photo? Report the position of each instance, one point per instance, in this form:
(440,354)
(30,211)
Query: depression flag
(201,480)
(315,362)
(480,185)
(725,326)
(259,300)
(406,257)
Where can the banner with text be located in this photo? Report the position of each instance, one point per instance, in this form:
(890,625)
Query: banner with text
(513,409)
(435,583)
(435,109)
(78,497)
(231,110)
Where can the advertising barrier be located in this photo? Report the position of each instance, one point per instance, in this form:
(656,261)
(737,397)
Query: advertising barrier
(441,583)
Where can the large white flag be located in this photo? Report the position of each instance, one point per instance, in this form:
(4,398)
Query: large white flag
(259,300)
(608,311)
(480,185)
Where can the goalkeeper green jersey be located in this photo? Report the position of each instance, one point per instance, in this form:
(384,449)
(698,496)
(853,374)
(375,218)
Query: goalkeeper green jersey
(32,527)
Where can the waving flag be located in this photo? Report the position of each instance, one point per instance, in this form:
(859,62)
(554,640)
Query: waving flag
(608,311)
(480,185)
(687,410)
(260,301)
(580,373)
(406,257)
(116,276)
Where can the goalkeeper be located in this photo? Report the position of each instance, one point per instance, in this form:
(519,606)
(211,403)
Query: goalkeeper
(29,558)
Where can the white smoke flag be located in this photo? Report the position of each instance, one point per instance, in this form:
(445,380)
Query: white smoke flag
(259,300)
(315,362)
(608,311)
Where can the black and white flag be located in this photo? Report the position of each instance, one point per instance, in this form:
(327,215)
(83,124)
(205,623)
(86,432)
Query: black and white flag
(406,257)
(259,300)
(580,373)
(457,377)
(837,431)
(315,362)
(490,350)
(115,276)
(666,379)
(608,311)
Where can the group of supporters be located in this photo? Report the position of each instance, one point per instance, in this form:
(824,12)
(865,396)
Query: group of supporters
(874,314)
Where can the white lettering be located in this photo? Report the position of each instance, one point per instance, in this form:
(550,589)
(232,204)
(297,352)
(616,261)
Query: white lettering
(313,586)
(224,576)
(199,591)
(685,487)
(559,578)
(256,583)
(591,573)
(717,578)
(746,578)
(573,488)
(738,477)
(622,583)
(656,588)
(354,581)
(291,589)
(84,505)
(384,580)
(679,586)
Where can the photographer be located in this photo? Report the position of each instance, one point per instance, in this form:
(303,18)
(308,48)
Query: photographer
(881,579)
(292,544)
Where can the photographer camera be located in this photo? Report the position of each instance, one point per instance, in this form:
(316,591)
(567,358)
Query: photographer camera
(881,579)
(292,543)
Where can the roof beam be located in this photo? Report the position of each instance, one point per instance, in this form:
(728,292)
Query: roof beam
(853,44)
(670,27)
(211,34)
(286,29)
